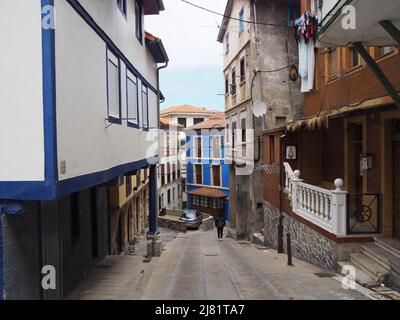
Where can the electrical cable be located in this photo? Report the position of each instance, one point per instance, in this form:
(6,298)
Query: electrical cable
(233,18)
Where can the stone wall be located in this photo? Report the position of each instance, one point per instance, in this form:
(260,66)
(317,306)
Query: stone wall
(307,244)
(208,223)
(171,223)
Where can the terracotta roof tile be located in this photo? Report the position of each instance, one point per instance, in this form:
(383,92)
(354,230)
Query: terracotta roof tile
(208,192)
(186,109)
(165,123)
(209,124)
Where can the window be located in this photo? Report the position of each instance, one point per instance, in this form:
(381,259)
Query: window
(122,6)
(199,173)
(145,107)
(242,70)
(216,175)
(173,194)
(196,201)
(233,135)
(113,88)
(226,85)
(333,63)
(384,51)
(241,20)
(216,147)
(198,147)
(198,120)
(354,57)
(233,88)
(183,185)
(243,135)
(227,133)
(168,144)
(160,205)
(139,21)
(169,197)
(182,122)
(174,171)
(128,186)
(271,149)
(168,172)
(163,174)
(74,216)
(293,13)
(227,44)
(132,99)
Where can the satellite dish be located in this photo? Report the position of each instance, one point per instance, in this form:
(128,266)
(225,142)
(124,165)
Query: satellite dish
(259,109)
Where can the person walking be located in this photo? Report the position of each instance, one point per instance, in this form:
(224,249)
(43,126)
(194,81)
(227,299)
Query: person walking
(220,224)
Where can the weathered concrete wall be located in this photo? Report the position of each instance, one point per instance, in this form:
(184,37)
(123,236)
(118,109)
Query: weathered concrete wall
(208,224)
(307,244)
(22,274)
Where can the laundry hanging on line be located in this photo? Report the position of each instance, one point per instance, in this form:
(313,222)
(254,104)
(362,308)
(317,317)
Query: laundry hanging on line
(306,28)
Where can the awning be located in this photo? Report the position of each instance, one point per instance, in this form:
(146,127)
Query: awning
(208,192)
(369,15)
(322,119)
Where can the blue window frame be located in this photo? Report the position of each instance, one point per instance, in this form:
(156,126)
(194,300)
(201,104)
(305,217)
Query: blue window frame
(132,99)
(113,88)
(241,20)
(145,107)
(123,6)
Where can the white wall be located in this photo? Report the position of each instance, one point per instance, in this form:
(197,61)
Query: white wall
(21,100)
(84,140)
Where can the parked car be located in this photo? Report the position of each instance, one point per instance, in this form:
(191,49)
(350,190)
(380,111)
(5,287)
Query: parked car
(192,218)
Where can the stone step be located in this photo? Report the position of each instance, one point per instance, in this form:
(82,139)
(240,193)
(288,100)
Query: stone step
(391,246)
(369,266)
(379,255)
(258,239)
(360,276)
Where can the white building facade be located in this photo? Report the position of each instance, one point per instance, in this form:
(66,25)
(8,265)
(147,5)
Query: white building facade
(82,87)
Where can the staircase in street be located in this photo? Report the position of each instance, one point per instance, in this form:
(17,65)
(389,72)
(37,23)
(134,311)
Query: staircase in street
(377,263)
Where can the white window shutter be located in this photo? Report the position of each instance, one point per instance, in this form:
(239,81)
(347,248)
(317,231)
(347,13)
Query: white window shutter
(113,87)
(132,100)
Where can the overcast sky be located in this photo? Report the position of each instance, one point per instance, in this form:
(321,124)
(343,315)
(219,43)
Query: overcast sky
(194,75)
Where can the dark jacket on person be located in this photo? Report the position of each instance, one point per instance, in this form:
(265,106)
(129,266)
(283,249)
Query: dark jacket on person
(220,223)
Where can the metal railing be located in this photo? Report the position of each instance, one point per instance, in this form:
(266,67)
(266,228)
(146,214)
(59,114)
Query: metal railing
(364,213)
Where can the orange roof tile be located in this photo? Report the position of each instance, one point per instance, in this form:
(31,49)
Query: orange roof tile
(208,192)
(165,123)
(209,124)
(186,109)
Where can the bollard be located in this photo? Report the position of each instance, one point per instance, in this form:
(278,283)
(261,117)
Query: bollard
(289,249)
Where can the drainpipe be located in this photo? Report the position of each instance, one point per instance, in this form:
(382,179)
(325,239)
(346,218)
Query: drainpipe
(281,183)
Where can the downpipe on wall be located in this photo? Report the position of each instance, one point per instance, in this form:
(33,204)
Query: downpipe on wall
(281,216)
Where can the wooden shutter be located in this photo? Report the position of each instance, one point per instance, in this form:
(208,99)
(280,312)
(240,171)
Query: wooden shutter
(113,86)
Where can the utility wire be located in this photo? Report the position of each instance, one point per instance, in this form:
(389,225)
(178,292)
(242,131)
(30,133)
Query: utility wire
(233,18)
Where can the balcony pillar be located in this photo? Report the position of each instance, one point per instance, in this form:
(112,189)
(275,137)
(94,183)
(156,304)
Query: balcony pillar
(339,209)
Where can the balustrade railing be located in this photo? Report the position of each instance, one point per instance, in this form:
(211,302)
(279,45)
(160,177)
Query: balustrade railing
(324,208)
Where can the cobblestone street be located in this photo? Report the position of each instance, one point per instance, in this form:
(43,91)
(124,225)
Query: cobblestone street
(197,266)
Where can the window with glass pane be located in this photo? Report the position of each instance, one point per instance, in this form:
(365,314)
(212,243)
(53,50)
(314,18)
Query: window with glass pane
(132,99)
(198,147)
(216,147)
(199,174)
(216,172)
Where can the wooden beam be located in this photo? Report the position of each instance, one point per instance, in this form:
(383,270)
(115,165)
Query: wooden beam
(378,72)
(391,29)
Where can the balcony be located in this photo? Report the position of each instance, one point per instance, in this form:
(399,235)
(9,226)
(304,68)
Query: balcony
(335,211)
(368,19)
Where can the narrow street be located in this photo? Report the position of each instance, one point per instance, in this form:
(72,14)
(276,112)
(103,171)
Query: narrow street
(197,266)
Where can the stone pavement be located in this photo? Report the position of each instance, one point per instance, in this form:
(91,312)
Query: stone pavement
(197,266)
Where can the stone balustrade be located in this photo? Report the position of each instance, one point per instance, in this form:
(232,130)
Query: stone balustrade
(324,208)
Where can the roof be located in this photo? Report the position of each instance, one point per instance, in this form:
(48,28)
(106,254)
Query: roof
(186,109)
(225,20)
(218,115)
(215,123)
(156,47)
(208,192)
(165,124)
